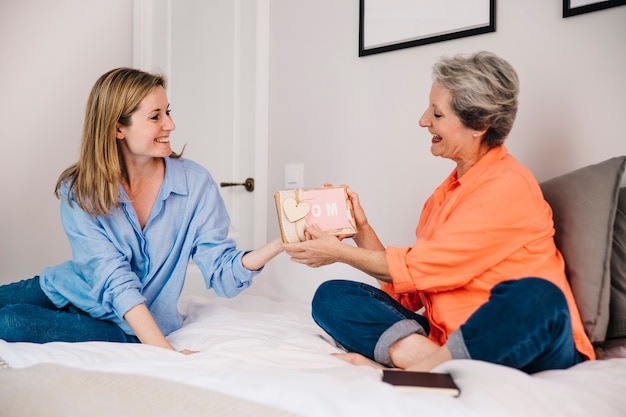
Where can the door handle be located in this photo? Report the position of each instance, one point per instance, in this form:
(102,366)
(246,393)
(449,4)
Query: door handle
(248,184)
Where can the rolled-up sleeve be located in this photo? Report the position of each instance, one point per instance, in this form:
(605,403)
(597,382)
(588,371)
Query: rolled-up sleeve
(482,225)
(99,280)
(215,254)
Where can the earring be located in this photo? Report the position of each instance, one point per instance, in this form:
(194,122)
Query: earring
(475,134)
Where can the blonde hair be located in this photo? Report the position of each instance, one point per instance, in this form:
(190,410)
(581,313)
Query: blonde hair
(484,89)
(94,180)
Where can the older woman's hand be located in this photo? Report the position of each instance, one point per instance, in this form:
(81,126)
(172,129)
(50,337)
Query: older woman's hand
(320,249)
(357,209)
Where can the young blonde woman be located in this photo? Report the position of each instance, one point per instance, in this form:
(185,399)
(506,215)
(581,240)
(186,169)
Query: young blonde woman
(135,212)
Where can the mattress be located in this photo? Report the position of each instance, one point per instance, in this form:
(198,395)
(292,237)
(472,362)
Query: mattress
(269,356)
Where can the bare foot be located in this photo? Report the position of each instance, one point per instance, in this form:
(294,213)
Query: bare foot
(411,350)
(357,359)
(439,356)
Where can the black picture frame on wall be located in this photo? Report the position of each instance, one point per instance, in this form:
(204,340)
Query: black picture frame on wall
(576,7)
(389,25)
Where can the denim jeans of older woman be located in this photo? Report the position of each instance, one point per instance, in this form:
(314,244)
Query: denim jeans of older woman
(524,325)
(28,315)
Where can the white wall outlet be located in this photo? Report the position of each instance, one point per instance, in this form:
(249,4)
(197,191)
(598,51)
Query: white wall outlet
(294,175)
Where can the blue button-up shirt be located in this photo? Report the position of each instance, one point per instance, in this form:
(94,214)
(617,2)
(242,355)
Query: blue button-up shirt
(116,265)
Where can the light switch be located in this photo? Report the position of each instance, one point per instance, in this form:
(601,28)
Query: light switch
(294,175)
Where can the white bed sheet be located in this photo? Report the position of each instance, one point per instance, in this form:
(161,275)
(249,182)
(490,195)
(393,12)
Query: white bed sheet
(272,353)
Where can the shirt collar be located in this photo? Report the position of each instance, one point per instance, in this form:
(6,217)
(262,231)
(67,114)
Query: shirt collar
(494,154)
(175,179)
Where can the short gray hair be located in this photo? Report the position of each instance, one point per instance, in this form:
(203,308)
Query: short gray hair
(484,89)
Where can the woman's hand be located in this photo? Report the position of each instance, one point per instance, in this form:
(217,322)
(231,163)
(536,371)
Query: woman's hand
(141,321)
(325,249)
(257,258)
(319,249)
(359,213)
(366,237)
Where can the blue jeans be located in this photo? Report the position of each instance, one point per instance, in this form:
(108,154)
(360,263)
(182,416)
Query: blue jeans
(524,325)
(28,315)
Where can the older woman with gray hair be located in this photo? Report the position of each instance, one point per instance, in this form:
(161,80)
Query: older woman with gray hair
(484,279)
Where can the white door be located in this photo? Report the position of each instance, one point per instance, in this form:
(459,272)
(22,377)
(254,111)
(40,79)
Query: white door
(215,54)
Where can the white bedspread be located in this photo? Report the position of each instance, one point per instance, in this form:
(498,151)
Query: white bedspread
(272,353)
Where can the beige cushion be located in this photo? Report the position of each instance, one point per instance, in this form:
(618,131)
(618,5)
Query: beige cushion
(584,203)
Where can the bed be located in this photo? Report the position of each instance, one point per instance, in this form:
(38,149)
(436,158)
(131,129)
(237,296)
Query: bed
(260,355)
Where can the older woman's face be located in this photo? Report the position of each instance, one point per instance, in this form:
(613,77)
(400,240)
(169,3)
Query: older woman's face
(451,139)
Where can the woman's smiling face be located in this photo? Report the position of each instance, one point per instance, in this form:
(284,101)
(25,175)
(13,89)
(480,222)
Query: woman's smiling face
(451,139)
(148,134)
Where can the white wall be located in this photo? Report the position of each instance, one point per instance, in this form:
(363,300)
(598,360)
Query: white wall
(348,119)
(51,53)
(355,120)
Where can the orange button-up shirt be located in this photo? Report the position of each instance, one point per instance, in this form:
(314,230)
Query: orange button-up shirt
(489,226)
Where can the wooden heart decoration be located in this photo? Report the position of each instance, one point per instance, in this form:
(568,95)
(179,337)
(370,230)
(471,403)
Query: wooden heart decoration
(294,210)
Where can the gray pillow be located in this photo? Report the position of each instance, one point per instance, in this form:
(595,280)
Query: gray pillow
(617,319)
(584,203)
